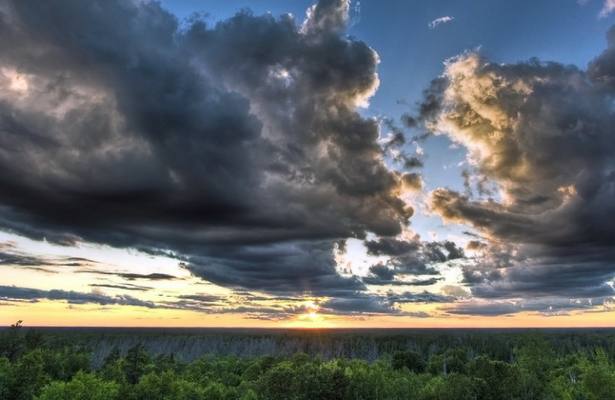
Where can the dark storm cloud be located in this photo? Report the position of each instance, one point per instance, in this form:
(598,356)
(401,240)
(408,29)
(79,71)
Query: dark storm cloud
(306,267)
(408,257)
(543,306)
(391,247)
(413,162)
(431,251)
(10,293)
(380,274)
(560,276)
(543,133)
(237,147)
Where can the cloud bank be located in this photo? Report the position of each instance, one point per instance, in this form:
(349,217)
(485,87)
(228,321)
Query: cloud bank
(542,132)
(236,146)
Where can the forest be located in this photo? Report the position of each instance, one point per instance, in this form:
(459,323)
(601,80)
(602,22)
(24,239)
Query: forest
(524,365)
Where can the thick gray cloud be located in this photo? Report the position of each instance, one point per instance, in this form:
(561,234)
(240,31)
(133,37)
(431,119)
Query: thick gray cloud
(238,146)
(557,276)
(543,133)
(373,305)
(408,257)
(380,274)
(287,268)
(551,306)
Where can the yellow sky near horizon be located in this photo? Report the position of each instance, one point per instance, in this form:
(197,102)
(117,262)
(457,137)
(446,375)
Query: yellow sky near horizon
(166,297)
(58,313)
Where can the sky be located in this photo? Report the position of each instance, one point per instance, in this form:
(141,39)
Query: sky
(307,164)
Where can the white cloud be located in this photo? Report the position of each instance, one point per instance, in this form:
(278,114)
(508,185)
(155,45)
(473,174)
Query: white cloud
(607,8)
(446,19)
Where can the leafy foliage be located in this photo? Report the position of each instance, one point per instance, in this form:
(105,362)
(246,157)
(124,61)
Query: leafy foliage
(33,367)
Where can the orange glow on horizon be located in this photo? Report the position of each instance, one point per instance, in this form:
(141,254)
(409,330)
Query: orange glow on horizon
(58,313)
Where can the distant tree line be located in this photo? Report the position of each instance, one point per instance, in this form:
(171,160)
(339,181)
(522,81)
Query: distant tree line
(188,345)
(33,366)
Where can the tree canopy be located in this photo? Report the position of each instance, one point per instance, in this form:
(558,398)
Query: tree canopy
(33,367)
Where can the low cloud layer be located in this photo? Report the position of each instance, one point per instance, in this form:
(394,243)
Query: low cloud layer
(13,293)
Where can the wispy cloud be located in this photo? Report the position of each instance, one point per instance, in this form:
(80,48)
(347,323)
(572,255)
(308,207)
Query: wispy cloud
(14,293)
(130,276)
(442,20)
(120,287)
